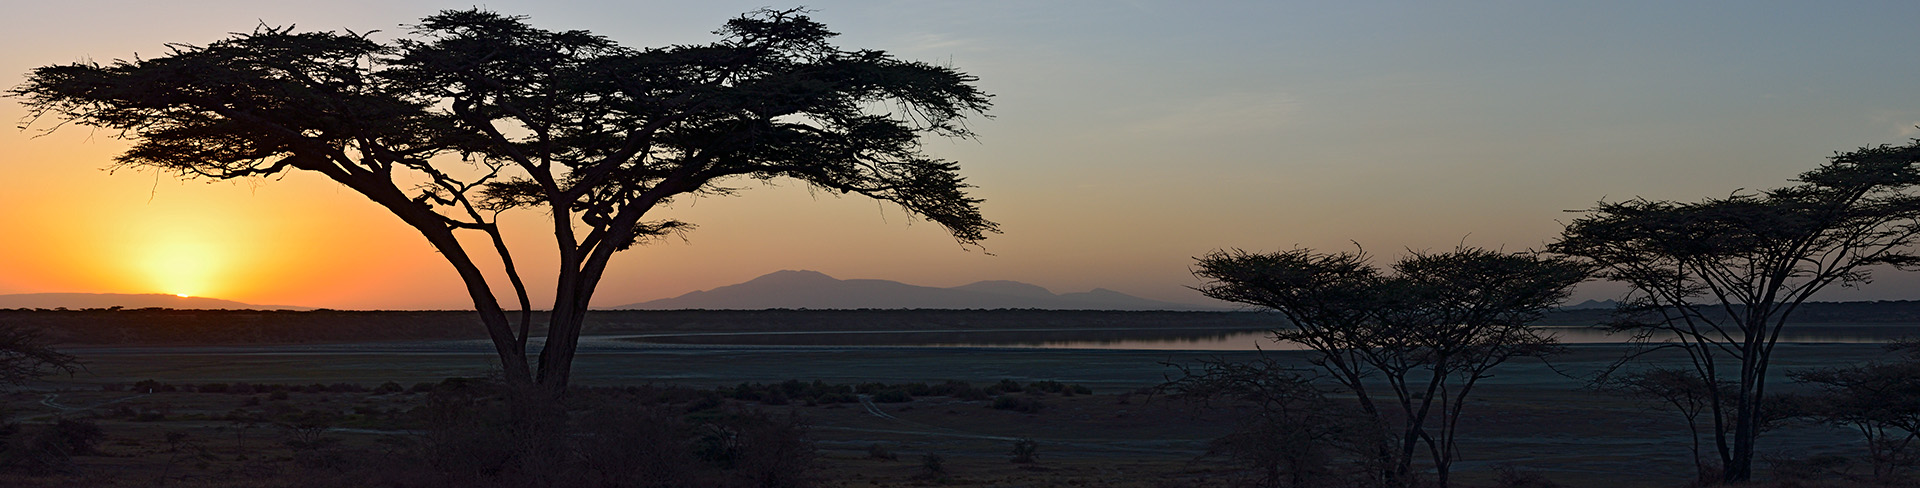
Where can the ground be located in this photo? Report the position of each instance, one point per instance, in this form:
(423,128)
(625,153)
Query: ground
(1532,416)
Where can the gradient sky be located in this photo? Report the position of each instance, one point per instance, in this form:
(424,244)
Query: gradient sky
(1126,138)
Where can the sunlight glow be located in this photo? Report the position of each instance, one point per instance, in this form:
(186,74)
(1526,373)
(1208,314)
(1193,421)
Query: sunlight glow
(183,264)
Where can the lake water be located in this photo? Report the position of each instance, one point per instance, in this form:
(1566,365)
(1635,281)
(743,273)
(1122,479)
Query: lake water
(1183,339)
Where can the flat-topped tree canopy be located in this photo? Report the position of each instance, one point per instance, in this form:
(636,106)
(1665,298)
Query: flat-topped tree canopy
(472,113)
(1719,277)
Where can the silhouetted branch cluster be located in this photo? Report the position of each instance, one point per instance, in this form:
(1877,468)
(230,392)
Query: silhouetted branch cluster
(25,355)
(1718,278)
(1430,331)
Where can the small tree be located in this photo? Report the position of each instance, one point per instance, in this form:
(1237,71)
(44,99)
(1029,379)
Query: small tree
(1719,278)
(1881,400)
(478,113)
(1288,431)
(25,356)
(1430,331)
(1681,391)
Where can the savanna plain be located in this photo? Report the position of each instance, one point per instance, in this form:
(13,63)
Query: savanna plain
(894,398)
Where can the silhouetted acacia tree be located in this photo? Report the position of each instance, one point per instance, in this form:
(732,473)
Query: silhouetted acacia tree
(1881,400)
(476,113)
(1682,391)
(1718,278)
(25,355)
(1428,333)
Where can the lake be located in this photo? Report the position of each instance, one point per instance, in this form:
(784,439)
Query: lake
(1179,339)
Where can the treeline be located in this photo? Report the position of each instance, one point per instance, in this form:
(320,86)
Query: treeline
(165,326)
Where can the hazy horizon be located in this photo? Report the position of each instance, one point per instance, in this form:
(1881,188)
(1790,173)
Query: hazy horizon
(1126,139)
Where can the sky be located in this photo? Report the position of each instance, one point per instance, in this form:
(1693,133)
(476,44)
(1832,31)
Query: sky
(1126,138)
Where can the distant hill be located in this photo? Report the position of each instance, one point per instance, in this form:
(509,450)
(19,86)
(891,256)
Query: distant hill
(815,290)
(1607,304)
(80,301)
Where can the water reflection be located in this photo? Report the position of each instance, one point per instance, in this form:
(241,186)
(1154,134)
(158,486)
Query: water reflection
(1184,339)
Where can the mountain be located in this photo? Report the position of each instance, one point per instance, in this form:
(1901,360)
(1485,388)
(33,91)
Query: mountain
(78,301)
(816,290)
(1607,304)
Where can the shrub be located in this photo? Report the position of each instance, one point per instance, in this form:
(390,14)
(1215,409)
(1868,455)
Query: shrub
(1048,386)
(388,388)
(894,395)
(918,389)
(1509,476)
(636,442)
(1024,449)
(78,437)
(48,449)
(1021,403)
(877,451)
(933,465)
(1004,386)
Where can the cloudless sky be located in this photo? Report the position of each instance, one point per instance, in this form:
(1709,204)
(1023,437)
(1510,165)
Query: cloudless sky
(1127,137)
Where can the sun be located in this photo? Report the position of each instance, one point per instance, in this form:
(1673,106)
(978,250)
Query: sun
(182,264)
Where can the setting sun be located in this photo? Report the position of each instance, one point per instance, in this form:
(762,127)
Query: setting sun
(180,265)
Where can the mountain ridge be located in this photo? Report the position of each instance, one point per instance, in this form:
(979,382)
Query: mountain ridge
(78,301)
(797,289)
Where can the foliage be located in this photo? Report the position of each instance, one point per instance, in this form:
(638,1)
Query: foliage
(25,355)
(1718,278)
(1880,400)
(1288,431)
(47,449)
(1683,392)
(1430,330)
(474,113)
(1024,450)
(618,437)
(1018,403)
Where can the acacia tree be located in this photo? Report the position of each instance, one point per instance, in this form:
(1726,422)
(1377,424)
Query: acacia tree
(1880,400)
(1677,389)
(25,356)
(1719,278)
(476,113)
(1429,332)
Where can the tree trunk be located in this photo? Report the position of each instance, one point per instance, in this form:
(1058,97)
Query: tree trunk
(513,358)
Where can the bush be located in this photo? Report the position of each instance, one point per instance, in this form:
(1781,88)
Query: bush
(1024,449)
(48,449)
(1004,386)
(894,395)
(388,388)
(1020,403)
(634,442)
(877,451)
(933,465)
(79,437)
(1509,476)
(1048,386)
